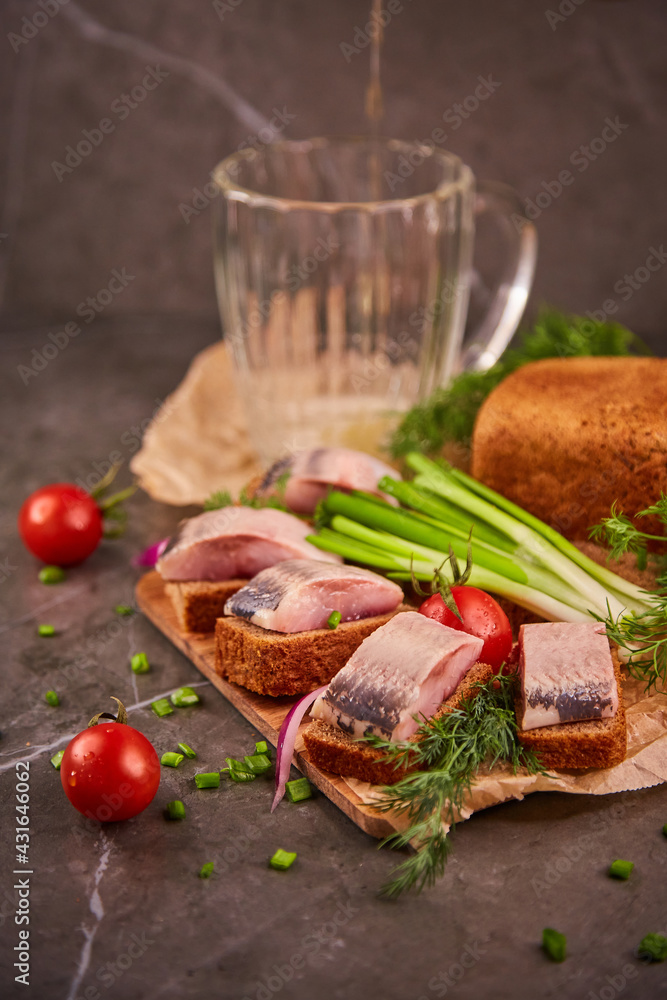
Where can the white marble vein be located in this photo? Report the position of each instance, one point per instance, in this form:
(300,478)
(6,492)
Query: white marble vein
(20,753)
(54,602)
(97,909)
(91,29)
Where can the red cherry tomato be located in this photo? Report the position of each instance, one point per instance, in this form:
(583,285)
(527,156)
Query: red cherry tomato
(110,771)
(482,616)
(60,524)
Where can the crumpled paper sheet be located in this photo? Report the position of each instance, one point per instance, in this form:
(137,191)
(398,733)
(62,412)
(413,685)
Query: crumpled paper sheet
(197,443)
(645,765)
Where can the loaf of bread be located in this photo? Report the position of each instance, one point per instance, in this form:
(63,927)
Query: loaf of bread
(199,602)
(330,749)
(279,663)
(566,437)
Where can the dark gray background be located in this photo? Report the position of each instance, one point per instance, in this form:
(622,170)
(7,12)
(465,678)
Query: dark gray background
(559,81)
(516,868)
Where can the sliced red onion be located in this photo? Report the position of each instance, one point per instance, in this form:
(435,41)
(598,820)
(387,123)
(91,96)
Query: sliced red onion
(287,739)
(151,555)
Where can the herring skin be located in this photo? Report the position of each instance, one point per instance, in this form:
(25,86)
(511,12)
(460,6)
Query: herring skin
(566,673)
(298,595)
(236,543)
(406,668)
(311,472)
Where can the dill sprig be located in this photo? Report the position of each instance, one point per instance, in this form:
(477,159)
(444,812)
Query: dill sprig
(247,497)
(452,748)
(644,639)
(621,535)
(643,635)
(449,414)
(218,500)
(618,533)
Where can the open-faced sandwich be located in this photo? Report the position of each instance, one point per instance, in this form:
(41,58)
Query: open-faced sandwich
(569,703)
(293,626)
(216,553)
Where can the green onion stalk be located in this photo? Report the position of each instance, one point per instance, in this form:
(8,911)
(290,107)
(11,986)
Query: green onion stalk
(514,554)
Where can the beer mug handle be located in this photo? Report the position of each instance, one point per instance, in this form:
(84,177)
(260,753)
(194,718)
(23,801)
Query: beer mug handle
(486,342)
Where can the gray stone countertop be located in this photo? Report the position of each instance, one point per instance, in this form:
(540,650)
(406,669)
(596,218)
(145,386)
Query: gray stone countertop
(118,910)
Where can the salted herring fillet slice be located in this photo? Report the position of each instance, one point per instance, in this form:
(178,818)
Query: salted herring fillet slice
(567,674)
(405,668)
(236,543)
(300,594)
(312,472)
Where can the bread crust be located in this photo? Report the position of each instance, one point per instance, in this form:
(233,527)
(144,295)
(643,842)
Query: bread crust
(566,437)
(199,602)
(278,663)
(330,749)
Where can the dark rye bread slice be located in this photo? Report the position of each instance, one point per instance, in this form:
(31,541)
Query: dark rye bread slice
(199,602)
(598,743)
(279,663)
(330,749)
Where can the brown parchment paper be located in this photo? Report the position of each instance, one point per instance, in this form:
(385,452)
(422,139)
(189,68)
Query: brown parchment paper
(197,442)
(645,764)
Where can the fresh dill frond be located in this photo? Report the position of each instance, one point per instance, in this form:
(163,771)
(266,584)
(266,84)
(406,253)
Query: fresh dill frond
(219,499)
(451,748)
(449,414)
(618,534)
(658,509)
(644,638)
(247,498)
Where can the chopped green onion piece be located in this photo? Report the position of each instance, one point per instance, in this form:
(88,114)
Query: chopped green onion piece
(139,663)
(282,860)
(262,747)
(238,771)
(210,779)
(52,698)
(51,574)
(298,790)
(653,947)
(184,696)
(46,630)
(171,759)
(333,621)
(187,751)
(161,707)
(124,609)
(241,776)
(621,869)
(664,830)
(554,943)
(175,810)
(57,758)
(207,870)
(258,763)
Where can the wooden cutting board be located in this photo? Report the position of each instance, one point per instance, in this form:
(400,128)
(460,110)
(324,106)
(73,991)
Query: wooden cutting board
(264,713)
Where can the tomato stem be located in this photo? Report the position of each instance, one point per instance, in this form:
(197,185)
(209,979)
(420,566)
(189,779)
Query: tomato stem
(110,507)
(105,482)
(121,717)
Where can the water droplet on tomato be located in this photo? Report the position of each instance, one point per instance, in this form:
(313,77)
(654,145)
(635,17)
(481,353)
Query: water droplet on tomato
(72,778)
